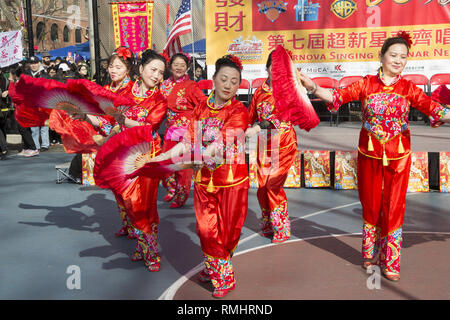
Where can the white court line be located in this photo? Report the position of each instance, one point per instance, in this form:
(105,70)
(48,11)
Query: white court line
(170,292)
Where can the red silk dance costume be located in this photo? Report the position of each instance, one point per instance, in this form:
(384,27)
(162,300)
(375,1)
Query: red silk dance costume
(271,196)
(183,95)
(384,159)
(220,190)
(138,203)
(105,128)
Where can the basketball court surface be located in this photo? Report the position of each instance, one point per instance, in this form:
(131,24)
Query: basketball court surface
(48,230)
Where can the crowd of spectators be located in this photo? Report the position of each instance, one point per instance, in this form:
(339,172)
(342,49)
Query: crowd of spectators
(39,139)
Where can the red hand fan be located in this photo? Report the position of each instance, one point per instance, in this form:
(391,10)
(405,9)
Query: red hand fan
(291,99)
(441,94)
(28,117)
(75,96)
(111,103)
(77,136)
(160,169)
(52,94)
(121,155)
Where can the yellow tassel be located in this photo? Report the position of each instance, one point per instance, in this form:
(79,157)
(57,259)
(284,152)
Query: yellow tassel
(385,160)
(230,177)
(154,149)
(370,145)
(198,177)
(401,149)
(210,187)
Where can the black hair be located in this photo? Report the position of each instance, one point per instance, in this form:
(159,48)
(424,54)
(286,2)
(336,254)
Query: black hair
(149,55)
(179,55)
(54,68)
(391,41)
(269,60)
(226,61)
(17,69)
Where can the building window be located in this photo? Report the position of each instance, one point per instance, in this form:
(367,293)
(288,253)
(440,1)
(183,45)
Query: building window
(78,35)
(40,31)
(54,32)
(66,34)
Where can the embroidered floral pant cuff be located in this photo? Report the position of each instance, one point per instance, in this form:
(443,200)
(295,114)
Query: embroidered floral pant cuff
(147,246)
(127,228)
(181,196)
(388,249)
(370,241)
(277,222)
(220,272)
(171,185)
(390,252)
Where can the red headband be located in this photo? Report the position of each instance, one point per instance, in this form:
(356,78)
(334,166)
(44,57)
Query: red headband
(123,52)
(405,35)
(236,61)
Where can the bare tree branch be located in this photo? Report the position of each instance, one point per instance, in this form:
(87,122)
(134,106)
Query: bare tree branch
(10,15)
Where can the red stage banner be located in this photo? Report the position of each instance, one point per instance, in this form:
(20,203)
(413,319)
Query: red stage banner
(132,23)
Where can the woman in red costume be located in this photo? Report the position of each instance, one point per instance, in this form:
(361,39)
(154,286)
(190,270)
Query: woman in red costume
(183,95)
(140,202)
(272,175)
(119,68)
(384,157)
(221,187)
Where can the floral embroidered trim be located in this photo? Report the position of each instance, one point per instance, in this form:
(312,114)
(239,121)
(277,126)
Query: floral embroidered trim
(280,222)
(436,115)
(370,241)
(380,76)
(210,102)
(136,90)
(122,84)
(391,251)
(220,271)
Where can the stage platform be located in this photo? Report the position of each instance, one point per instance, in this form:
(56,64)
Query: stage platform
(48,228)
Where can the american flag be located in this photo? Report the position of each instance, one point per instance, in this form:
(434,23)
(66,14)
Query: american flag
(181,25)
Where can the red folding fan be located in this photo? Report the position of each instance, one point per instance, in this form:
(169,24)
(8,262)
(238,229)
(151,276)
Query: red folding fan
(110,102)
(160,169)
(28,117)
(77,136)
(75,96)
(291,99)
(441,94)
(121,155)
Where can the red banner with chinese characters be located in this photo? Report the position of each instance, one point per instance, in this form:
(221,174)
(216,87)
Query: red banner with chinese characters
(334,38)
(132,22)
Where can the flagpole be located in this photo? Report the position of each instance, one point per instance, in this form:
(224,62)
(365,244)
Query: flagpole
(29,28)
(192,33)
